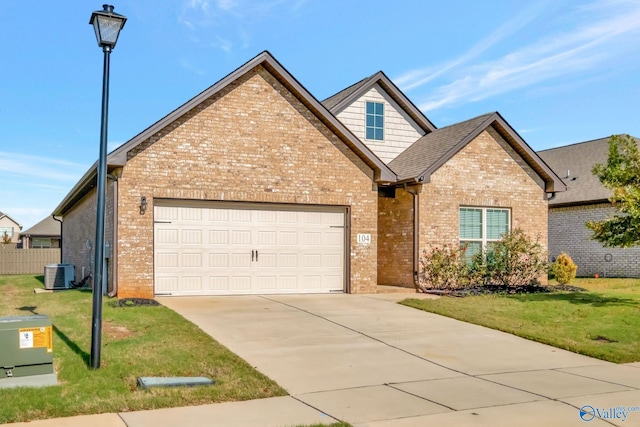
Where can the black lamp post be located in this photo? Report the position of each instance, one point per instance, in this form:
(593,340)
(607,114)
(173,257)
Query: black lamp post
(107,25)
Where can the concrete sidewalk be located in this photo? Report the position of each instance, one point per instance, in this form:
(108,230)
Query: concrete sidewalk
(370,362)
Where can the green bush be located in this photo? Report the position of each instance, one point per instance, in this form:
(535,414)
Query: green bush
(564,269)
(443,268)
(514,261)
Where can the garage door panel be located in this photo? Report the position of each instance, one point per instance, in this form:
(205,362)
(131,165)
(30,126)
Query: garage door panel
(241,259)
(288,260)
(191,260)
(207,250)
(167,236)
(332,261)
(268,260)
(240,237)
(219,283)
(191,237)
(312,260)
(240,283)
(219,260)
(267,238)
(312,238)
(218,237)
(191,283)
(190,214)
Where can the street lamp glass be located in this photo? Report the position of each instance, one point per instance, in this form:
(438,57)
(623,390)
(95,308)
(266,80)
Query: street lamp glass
(107,25)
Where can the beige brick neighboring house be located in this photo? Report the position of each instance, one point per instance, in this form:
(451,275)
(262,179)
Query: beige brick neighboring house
(585,200)
(254,186)
(9,226)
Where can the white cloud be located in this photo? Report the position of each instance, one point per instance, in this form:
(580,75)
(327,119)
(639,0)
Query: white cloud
(228,22)
(18,164)
(416,78)
(600,38)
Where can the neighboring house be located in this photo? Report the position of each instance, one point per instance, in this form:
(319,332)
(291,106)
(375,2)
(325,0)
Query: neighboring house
(586,199)
(9,226)
(43,235)
(254,186)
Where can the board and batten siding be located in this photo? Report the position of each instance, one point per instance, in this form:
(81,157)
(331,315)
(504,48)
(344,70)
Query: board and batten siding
(400,131)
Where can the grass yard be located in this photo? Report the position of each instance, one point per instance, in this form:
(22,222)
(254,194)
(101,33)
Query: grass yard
(603,322)
(136,341)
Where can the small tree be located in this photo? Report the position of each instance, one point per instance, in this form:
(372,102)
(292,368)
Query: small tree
(564,269)
(621,174)
(6,239)
(514,261)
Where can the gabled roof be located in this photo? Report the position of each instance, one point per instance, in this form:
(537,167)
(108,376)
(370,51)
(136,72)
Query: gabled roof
(48,227)
(346,97)
(433,150)
(574,164)
(4,215)
(118,157)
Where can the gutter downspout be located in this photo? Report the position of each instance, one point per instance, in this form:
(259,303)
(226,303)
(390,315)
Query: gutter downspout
(415,192)
(114,244)
(551,196)
(60,221)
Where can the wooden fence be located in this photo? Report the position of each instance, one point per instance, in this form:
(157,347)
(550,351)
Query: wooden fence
(27,261)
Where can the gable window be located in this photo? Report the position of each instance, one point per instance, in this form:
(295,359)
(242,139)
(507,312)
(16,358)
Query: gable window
(375,121)
(479,227)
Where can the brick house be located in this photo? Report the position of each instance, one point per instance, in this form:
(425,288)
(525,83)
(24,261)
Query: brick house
(254,186)
(585,200)
(10,227)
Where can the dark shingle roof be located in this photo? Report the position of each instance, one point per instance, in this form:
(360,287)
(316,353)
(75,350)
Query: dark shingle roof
(334,100)
(573,163)
(47,227)
(433,148)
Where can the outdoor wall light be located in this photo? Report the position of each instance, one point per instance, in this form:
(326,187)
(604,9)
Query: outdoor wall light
(143,205)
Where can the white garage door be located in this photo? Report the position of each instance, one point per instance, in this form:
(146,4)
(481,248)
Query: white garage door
(221,249)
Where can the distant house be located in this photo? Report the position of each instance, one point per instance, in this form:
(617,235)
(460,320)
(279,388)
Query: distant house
(585,200)
(9,226)
(45,234)
(256,187)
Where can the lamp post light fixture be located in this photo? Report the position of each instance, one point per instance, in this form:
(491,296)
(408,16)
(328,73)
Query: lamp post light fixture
(107,25)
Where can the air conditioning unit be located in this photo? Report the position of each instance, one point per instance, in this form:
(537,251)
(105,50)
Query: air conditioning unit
(58,276)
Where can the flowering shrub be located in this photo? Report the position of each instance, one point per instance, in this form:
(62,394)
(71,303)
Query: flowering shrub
(564,269)
(516,260)
(443,268)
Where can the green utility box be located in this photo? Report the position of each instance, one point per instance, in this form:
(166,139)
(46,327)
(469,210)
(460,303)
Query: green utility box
(26,346)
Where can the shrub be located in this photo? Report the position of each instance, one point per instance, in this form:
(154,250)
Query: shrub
(443,268)
(514,261)
(564,269)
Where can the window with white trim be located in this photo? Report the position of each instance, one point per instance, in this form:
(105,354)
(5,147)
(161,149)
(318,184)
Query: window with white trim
(8,230)
(375,121)
(479,227)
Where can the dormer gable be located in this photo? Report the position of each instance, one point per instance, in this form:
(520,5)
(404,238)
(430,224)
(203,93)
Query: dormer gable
(380,115)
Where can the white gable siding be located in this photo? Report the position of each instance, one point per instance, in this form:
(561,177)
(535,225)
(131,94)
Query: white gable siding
(400,131)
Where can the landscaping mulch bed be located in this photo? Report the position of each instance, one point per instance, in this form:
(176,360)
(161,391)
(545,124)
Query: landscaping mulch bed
(501,289)
(134,302)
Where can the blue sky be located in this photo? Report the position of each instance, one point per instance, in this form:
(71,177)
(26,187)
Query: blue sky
(559,71)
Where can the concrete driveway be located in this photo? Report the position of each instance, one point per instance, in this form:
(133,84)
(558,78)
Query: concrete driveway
(368,361)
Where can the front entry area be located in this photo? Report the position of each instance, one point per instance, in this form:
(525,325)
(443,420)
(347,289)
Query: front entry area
(227,248)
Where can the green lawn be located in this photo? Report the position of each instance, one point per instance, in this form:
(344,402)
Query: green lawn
(603,322)
(136,341)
